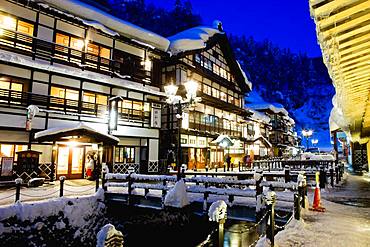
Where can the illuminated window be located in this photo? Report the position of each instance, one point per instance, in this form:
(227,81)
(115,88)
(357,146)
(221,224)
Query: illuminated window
(62,39)
(215,93)
(124,154)
(64,93)
(223,96)
(101,99)
(93,49)
(25,27)
(89,97)
(8,22)
(11,86)
(104,52)
(77,44)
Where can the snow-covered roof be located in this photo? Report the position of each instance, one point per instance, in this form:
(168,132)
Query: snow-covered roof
(58,68)
(74,127)
(255,101)
(105,22)
(260,116)
(265,140)
(222,138)
(191,39)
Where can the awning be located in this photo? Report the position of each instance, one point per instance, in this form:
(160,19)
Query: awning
(79,132)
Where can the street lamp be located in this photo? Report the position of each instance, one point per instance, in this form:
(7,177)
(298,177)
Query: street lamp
(314,141)
(307,134)
(180,103)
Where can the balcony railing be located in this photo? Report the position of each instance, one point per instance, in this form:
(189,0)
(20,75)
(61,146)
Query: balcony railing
(37,48)
(15,98)
(214,130)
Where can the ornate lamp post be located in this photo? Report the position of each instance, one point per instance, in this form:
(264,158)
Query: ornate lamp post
(181,103)
(307,134)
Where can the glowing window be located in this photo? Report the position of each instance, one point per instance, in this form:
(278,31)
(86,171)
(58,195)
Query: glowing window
(104,52)
(101,99)
(57,92)
(4,85)
(93,49)
(77,44)
(71,94)
(62,39)
(137,106)
(16,87)
(89,97)
(7,22)
(25,27)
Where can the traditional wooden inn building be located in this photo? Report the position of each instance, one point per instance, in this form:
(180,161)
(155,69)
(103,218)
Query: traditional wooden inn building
(81,69)
(282,135)
(217,126)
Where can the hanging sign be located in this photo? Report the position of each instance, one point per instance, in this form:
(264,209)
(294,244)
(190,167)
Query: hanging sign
(156,116)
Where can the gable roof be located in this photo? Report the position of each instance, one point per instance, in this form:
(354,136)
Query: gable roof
(201,38)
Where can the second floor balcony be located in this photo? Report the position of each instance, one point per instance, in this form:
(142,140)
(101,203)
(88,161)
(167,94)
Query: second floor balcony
(120,63)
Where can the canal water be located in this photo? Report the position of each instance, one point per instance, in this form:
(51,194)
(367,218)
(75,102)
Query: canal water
(171,227)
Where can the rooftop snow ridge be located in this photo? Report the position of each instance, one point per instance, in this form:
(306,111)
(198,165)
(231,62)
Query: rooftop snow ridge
(191,39)
(105,22)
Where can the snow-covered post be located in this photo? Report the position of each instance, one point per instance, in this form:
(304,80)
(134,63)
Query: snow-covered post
(109,236)
(18,183)
(270,202)
(105,170)
(287,174)
(258,176)
(217,213)
(302,187)
(61,179)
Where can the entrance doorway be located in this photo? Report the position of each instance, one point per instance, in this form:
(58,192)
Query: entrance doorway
(70,161)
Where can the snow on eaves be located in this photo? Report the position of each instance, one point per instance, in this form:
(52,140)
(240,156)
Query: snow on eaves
(260,116)
(249,84)
(79,126)
(191,39)
(62,69)
(105,22)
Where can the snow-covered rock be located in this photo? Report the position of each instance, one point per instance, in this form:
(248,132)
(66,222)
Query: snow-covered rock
(177,196)
(107,232)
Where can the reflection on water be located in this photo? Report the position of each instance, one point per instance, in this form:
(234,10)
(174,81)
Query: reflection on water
(239,234)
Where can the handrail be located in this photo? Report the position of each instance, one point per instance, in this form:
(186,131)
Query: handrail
(53,52)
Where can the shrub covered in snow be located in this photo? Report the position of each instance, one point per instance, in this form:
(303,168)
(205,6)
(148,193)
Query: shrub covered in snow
(177,196)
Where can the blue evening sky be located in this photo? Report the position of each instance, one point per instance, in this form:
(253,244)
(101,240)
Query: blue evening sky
(287,23)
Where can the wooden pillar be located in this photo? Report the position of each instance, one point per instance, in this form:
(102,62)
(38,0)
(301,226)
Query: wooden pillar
(335,145)
(368,154)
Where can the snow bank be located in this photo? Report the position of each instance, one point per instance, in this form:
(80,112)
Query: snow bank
(255,101)
(177,196)
(104,21)
(249,84)
(217,211)
(78,211)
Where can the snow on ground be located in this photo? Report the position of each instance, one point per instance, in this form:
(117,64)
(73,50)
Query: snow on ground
(74,187)
(340,225)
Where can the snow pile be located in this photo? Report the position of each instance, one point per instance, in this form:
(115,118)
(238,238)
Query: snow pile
(191,39)
(177,196)
(72,221)
(72,208)
(260,116)
(217,211)
(106,232)
(104,21)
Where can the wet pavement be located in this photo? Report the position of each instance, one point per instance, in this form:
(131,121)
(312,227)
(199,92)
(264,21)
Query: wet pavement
(355,191)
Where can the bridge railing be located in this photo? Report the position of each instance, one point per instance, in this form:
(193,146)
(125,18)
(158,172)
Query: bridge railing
(225,186)
(273,165)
